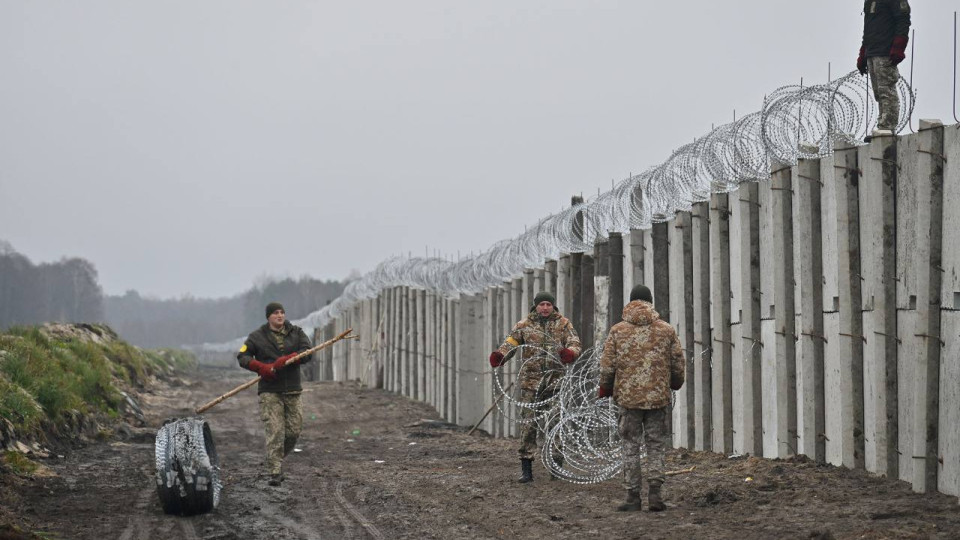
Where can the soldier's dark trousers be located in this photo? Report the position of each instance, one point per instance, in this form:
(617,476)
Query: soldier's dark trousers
(282,416)
(645,439)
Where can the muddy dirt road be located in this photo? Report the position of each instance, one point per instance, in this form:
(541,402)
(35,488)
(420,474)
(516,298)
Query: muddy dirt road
(369,469)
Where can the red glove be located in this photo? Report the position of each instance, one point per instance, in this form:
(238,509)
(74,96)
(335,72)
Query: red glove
(264,370)
(604,391)
(282,361)
(862,61)
(496,359)
(897,53)
(567,356)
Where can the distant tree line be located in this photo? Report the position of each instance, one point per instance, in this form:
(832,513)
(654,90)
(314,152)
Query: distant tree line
(69,291)
(64,291)
(151,323)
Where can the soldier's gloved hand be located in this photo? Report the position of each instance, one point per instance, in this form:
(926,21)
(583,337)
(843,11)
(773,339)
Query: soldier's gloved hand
(897,51)
(862,61)
(604,391)
(567,356)
(282,361)
(496,359)
(264,370)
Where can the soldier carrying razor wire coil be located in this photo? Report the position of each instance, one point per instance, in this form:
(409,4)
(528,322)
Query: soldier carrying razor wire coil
(545,336)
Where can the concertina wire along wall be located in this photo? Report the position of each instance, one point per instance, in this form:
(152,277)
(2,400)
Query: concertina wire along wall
(796,122)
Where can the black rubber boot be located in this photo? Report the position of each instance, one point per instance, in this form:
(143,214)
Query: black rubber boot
(632,503)
(275,479)
(526,471)
(656,503)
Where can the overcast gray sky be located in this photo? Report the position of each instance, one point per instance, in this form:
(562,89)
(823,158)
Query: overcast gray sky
(194,146)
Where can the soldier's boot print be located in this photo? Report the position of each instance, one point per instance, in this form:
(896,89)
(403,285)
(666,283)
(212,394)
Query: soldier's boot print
(632,503)
(526,471)
(656,503)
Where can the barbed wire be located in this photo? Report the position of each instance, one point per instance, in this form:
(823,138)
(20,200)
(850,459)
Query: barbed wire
(795,122)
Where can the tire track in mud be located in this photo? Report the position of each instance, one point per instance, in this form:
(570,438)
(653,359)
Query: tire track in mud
(364,522)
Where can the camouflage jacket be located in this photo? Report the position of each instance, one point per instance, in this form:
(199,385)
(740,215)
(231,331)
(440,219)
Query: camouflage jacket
(540,337)
(642,359)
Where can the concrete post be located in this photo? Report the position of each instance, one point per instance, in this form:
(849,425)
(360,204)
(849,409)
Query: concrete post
(948,479)
(528,292)
(601,314)
(878,259)
(638,260)
(661,270)
(615,312)
(587,302)
(722,355)
(453,408)
(539,282)
(752,396)
(808,262)
(681,302)
(703,337)
(421,345)
(576,293)
(920,261)
(507,321)
(851,318)
(550,277)
(470,389)
(785,313)
(564,288)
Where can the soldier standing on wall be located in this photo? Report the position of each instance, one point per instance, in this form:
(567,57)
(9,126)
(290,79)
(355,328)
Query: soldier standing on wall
(546,336)
(642,361)
(266,351)
(885,27)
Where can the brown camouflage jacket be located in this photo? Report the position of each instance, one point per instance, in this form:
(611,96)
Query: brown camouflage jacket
(642,359)
(541,336)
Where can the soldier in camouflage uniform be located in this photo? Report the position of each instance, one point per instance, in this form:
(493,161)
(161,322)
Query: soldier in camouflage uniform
(885,27)
(266,351)
(642,361)
(546,337)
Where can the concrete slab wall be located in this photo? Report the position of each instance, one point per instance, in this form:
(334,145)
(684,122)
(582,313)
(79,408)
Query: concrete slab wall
(818,313)
(808,299)
(702,340)
(948,478)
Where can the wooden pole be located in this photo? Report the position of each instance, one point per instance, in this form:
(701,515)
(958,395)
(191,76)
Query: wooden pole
(293,361)
(505,390)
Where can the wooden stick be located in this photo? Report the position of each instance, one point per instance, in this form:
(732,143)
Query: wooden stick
(293,360)
(681,471)
(505,390)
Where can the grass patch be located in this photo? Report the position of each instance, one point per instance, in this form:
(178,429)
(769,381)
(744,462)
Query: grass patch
(43,376)
(19,463)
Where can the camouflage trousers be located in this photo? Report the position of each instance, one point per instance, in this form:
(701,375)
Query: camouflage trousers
(282,416)
(884,76)
(641,428)
(530,430)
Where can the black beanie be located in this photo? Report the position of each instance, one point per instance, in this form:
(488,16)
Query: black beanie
(273,306)
(641,292)
(543,296)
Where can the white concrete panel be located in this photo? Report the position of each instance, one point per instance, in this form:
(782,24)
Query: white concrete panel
(828,209)
(948,479)
(769,383)
(950,298)
(833,389)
